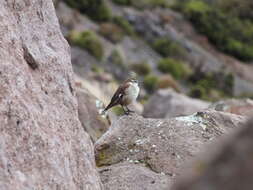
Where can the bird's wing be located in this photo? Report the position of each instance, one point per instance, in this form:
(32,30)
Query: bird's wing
(117,97)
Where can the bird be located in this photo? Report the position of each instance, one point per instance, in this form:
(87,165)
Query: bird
(125,95)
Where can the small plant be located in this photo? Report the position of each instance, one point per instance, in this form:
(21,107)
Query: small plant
(89,41)
(166,48)
(118,110)
(124,24)
(199,92)
(116,58)
(212,86)
(142,68)
(176,68)
(96,9)
(148,4)
(122,2)
(96,69)
(150,82)
(111,31)
(167,81)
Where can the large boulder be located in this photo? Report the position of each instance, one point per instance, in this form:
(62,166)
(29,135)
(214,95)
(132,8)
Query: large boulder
(162,144)
(167,103)
(88,111)
(129,176)
(42,143)
(235,106)
(228,166)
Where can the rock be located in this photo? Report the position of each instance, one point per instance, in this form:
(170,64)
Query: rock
(42,143)
(163,145)
(88,112)
(235,106)
(229,167)
(132,176)
(167,103)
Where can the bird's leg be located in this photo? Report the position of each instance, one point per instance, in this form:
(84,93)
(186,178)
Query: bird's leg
(125,111)
(130,111)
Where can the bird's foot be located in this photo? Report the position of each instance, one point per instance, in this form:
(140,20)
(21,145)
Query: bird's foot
(129,112)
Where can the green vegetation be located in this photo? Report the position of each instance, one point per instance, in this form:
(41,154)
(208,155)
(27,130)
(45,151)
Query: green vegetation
(122,2)
(96,69)
(96,9)
(118,110)
(142,4)
(150,82)
(124,24)
(212,86)
(89,41)
(176,68)
(142,68)
(116,58)
(166,48)
(226,24)
(112,32)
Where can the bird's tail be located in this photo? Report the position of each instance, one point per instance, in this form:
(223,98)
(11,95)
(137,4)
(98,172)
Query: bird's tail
(105,110)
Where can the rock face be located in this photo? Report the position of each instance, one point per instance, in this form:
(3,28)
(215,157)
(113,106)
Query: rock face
(88,114)
(127,176)
(42,143)
(167,23)
(167,103)
(163,145)
(231,167)
(240,107)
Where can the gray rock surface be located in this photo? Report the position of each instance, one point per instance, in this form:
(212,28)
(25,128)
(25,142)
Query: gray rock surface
(230,166)
(42,143)
(163,145)
(235,106)
(167,103)
(89,116)
(127,176)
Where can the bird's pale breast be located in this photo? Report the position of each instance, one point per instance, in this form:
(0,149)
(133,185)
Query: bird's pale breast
(131,93)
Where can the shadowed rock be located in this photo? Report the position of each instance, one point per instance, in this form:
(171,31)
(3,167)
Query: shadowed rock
(42,143)
(168,103)
(229,166)
(91,120)
(163,145)
(129,176)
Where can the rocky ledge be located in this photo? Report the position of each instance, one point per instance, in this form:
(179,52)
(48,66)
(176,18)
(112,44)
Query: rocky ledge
(163,146)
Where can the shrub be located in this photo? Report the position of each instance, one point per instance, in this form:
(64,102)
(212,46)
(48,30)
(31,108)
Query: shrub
(96,9)
(215,85)
(116,58)
(142,68)
(89,41)
(143,4)
(198,92)
(124,24)
(150,82)
(228,31)
(167,81)
(176,68)
(111,31)
(166,48)
(122,2)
